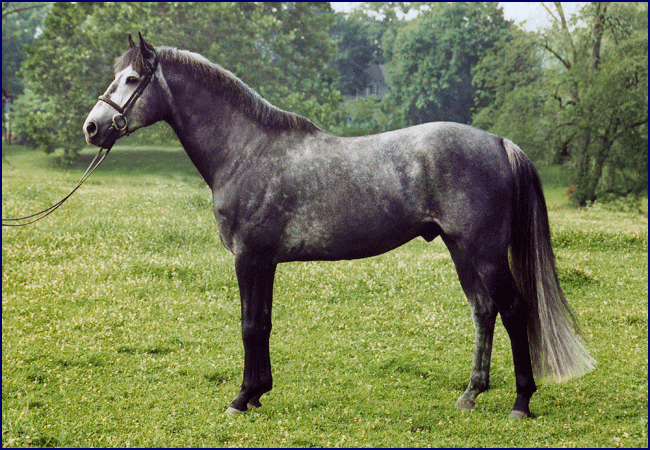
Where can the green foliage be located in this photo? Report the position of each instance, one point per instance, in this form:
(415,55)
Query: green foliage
(355,50)
(382,20)
(20,22)
(322,110)
(362,116)
(27,107)
(121,327)
(433,55)
(509,99)
(614,114)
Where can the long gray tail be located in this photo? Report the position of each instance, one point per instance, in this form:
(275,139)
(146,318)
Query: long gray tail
(555,349)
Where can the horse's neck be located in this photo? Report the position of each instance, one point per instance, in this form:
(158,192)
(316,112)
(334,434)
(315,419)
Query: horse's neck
(214,134)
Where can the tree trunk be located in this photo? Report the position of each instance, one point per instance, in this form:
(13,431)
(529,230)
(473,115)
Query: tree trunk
(591,164)
(593,152)
(597,35)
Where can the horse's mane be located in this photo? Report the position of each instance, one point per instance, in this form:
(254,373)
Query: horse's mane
(235,91)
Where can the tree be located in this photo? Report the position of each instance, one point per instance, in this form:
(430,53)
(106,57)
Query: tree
(604,112)
(382,20)
(61,68)
(20,21)
(355,51)
(510,95)
(432,58)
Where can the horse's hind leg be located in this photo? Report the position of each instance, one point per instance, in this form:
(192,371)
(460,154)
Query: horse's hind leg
(497,278)
(491,267)
(484,314)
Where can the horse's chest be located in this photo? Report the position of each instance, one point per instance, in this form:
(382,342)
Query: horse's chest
(249,224)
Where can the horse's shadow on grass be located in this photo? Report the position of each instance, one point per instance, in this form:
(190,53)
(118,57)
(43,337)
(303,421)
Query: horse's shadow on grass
(132,160)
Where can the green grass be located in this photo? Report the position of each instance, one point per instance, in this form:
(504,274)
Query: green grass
(121,327)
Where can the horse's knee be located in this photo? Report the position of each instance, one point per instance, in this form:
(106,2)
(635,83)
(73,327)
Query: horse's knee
(254,332)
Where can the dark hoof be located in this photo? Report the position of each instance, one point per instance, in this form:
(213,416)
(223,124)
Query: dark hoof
(464,404)
(519,415)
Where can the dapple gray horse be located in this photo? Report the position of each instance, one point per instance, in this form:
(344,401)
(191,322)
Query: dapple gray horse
(283,190)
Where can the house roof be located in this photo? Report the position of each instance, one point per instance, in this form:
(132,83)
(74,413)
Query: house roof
(376,73)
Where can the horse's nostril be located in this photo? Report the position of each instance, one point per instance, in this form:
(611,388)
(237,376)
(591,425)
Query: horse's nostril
(91,129)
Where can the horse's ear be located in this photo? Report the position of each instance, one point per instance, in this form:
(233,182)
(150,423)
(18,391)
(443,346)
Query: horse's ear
(144,44)
(131,43)
(148,51)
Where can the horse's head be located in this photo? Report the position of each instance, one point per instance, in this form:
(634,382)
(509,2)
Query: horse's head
(123,107)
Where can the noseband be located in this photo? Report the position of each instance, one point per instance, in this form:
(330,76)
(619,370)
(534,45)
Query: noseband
(119,120)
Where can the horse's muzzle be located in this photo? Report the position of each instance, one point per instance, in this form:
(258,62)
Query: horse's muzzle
(104,136)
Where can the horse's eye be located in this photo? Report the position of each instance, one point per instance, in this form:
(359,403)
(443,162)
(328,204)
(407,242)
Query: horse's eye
(131,80)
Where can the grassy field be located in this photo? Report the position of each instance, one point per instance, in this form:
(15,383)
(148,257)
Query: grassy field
(121,327)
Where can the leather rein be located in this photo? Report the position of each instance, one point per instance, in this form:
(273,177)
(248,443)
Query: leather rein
(118,126)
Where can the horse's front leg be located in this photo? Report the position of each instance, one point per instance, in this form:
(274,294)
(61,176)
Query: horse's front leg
(256,290)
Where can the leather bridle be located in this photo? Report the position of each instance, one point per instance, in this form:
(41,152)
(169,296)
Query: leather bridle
(123,110)
(119,125)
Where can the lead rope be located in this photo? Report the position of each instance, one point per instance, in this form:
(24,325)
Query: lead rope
(13,222)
